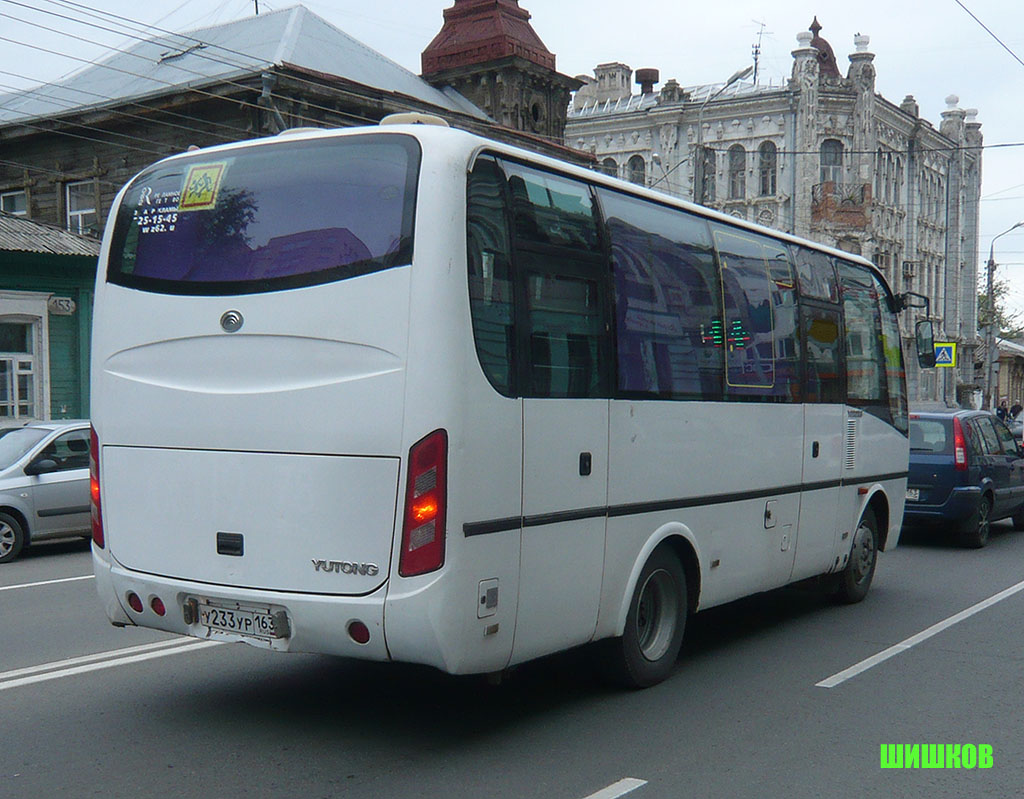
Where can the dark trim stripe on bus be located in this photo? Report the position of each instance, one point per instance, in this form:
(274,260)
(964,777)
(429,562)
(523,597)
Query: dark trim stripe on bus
(470,529)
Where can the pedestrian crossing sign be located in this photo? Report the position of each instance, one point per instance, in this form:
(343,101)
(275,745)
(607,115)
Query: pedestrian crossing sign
(945,353)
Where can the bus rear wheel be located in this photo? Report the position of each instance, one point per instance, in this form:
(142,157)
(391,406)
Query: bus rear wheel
(655,623)
(855,580)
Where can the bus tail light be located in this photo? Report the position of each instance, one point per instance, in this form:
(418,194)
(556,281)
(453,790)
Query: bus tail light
(426,493)
(94,488)
(959,447)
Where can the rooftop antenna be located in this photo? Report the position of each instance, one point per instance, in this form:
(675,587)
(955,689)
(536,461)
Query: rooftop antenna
(755,49)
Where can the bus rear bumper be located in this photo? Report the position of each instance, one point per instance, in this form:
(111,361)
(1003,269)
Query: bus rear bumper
(302,622)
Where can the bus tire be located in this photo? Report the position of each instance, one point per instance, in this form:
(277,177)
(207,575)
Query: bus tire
(12,538)
(974,533)
(855,580)
(647,651)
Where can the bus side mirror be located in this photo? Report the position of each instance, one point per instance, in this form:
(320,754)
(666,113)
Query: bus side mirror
(925,344)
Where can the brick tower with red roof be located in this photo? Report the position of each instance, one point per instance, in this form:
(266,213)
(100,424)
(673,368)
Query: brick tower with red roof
(488,52)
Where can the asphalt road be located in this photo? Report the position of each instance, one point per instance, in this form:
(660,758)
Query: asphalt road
(88,710)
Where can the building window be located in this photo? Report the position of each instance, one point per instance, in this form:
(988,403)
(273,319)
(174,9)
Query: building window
(17,370)
(14,202)
(636,171)
(81,206)
(609,167)
(737,172)
(831,161)
(768,160)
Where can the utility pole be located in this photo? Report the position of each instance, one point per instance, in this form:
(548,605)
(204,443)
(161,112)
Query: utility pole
(991,398)
(989,335)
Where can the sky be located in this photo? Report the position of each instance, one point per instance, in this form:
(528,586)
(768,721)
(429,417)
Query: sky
(928,49)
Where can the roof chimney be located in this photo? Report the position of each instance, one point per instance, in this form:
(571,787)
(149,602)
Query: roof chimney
(647,78)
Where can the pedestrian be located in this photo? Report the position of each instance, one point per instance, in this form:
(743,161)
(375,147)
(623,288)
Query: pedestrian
(1015,409)
(1001,410)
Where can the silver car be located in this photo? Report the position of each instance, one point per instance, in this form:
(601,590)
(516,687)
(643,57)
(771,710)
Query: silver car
(44,484)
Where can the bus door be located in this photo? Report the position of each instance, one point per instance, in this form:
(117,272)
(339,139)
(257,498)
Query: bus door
(565,460)
(821,327)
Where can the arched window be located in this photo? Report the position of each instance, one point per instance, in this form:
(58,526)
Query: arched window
(636,171)
(737,172)
(831,161)
(609,167)
(768,159)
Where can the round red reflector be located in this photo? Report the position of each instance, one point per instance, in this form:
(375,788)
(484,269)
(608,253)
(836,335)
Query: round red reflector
(158,606)
(358,632)
(134,602)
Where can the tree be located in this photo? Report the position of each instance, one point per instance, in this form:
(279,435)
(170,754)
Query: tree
(1009,325)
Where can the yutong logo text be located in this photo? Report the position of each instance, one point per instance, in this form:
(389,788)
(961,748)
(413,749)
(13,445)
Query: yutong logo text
(345,567)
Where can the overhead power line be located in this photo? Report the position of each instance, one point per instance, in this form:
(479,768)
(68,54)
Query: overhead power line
(990,33)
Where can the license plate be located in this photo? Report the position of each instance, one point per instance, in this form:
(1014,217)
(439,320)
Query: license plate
(913,494)
(243,621)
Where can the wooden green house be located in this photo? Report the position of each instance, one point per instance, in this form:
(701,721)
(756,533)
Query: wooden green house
(46,286)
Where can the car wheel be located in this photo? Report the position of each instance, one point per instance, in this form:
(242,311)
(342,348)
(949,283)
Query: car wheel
(976,529)
(855,580)
(12,538)
(1018,520)
(650,643)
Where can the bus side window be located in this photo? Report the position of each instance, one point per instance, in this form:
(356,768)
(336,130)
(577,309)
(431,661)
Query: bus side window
(490,274)
(895,372)
(822,343)
(866,385)
(667,300)
(561,278)
(759,301)
(817,275)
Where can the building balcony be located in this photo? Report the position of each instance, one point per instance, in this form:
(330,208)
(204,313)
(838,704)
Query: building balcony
(845,204)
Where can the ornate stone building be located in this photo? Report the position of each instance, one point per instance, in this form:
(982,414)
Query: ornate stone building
(823,157)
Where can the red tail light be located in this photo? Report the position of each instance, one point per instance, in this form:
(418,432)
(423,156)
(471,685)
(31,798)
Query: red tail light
(959,447)
(426,492)
(94,488)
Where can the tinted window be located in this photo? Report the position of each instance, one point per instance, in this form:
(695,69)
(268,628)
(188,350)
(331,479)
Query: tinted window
(551,209)
(69,450)
(892,351)
(987,433)
(760,318)
(269,217)
(816,273)
(823,347)
(490,274)
(1006,439)
(565,328)
(866,378)
(931,436)
(667,300)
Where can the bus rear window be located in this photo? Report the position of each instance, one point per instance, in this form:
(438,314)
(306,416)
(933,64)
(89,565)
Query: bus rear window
(268,217)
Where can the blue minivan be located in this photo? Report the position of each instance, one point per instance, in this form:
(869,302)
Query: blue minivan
(966,471)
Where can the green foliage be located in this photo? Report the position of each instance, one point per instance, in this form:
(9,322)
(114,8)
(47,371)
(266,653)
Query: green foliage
(1008,325)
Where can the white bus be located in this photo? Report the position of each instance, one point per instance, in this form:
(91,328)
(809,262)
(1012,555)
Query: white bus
(404,393)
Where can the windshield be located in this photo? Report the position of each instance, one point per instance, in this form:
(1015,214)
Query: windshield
(269,217)
(16,443)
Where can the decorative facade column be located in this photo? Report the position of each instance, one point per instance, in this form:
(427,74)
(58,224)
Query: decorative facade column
(804,85)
